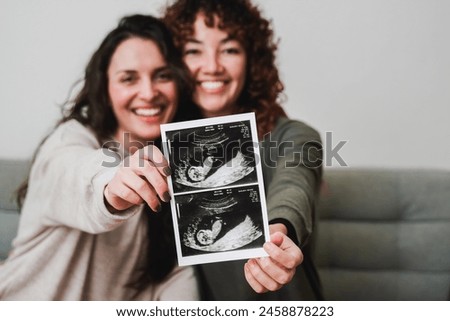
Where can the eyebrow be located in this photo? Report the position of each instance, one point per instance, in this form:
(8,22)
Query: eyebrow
(133,71)
(225,40)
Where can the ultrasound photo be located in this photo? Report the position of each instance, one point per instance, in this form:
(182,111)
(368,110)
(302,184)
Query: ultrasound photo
(218,201)
(216,221)
(212,156)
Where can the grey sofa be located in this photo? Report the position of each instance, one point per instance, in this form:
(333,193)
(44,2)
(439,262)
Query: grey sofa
(384,235)
(381,234)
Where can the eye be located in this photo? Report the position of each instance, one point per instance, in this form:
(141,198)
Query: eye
(165,75)
(234,50)
(191,52)
(128,79)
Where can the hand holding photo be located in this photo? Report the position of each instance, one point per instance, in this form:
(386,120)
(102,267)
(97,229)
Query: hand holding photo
(218,204)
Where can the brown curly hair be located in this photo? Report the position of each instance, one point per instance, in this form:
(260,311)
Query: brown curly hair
(242,20)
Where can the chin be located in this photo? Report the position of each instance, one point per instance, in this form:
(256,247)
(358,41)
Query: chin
(217,110)
(150,136)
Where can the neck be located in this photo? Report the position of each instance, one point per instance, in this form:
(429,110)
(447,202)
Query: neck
(224,112)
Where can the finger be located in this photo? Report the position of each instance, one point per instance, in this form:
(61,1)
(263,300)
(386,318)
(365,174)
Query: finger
(156,157)
(111,200)
(287,254)
(278,238)
(262,277)
(275,271)
(278,227)
(144,190)
(254,284)
(121,197)
(157,182)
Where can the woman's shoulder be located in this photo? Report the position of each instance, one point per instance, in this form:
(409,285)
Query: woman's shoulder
(287,127)
(73,126)
(70,133)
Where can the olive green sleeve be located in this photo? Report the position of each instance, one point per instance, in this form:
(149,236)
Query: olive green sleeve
(292,165)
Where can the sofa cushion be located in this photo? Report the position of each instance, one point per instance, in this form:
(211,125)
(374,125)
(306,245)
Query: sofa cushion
(384,234)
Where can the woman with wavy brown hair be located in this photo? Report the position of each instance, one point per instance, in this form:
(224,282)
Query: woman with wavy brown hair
(95,223)
(229,48)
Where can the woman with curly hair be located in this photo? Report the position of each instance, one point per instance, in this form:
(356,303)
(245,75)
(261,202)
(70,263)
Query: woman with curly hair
(228,47)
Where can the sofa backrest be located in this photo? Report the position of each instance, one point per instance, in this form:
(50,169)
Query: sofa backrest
(12,174)
(384,235)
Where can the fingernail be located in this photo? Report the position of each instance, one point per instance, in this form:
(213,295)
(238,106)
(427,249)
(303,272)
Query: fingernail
(166,197)
(167,171)
(159,208)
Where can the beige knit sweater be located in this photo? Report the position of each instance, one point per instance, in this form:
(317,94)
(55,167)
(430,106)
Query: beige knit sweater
(69,246)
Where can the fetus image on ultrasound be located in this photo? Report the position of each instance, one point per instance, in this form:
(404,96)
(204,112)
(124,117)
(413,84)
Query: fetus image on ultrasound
(212,156)
(214,222)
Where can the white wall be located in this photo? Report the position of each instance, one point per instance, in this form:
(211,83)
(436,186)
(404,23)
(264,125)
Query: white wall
(374,73)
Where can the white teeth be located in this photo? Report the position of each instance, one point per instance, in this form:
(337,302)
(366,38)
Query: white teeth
(147,111)
(212,84)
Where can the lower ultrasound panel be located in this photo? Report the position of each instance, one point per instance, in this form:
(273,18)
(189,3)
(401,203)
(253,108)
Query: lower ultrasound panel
(220,220)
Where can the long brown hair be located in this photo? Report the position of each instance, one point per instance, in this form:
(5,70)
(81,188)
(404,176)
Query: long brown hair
(242,20)
(91,107)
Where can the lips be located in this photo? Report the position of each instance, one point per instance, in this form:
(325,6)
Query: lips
(212,85)
(147,112)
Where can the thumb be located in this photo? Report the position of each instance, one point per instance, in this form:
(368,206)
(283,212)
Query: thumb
(277,238)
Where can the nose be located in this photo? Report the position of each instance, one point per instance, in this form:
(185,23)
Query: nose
(147,90)
(212,63)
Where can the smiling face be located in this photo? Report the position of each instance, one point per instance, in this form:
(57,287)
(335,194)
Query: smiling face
(141,89)
(218,64)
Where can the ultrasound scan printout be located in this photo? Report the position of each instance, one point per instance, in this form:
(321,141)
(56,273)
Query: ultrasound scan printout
(218,201)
